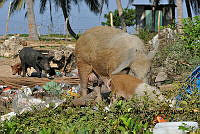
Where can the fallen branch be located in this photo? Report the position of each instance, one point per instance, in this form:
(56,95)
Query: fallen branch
(31,82)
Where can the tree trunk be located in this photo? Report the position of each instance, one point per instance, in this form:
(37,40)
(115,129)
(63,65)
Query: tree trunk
(33,35)
(180,13)
(120,11)
(66,17)
(187,2)
(153,18)
(8,18)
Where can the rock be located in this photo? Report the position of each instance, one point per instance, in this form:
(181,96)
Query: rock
(85,100)
(162,76)
(164,38)
(7,116)
(11,47)
(62,51)
(167,87)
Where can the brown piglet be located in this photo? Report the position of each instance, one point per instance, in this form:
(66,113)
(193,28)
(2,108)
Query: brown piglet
(16,69)
(126,86)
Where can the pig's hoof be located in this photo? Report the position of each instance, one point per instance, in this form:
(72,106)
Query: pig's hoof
(50,77)
(98,99)
(84,93)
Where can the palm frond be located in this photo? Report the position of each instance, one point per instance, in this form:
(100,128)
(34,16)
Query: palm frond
(24,5)
(50,10)
(102,3)
(2,2)
(42,6)
(77,3)
(68,6)
(26,14)
(93,5)
(16,5)
(195,6)
(155,2)
(171,1)
(65,4)
(129,3)
(57,4)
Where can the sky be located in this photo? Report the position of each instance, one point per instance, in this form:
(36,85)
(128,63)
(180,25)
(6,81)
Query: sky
(81,18)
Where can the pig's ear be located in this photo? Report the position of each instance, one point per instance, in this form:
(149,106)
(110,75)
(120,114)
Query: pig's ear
(50,58)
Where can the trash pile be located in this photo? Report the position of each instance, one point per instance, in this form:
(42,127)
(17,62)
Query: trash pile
(38,97)
(64,59)
(193,82)
(11,46)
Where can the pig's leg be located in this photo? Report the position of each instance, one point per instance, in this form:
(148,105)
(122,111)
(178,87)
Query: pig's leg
(98,92)
(113,98)
(23,69)
(19,72)
(39,71)
(84,70)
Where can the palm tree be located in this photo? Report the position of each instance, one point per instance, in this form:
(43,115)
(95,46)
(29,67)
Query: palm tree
(33,34)
(155,4)
(120,12)
(17,4)
(187,2)
(95,6)
(195,6)
(179,12)
(2,3)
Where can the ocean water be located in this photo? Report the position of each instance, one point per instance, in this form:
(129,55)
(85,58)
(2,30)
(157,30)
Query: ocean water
(81,18)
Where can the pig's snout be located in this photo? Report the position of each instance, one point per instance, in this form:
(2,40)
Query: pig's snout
(47,68)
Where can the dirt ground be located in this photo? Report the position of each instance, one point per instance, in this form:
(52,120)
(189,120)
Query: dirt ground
(5,69)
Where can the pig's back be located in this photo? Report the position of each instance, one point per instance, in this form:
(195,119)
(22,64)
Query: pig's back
(105,48)
(28,55)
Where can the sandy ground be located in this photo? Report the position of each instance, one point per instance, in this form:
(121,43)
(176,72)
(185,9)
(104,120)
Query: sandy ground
(5,69)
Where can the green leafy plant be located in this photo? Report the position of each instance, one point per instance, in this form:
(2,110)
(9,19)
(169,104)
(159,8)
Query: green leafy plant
(133,116)
(129,125)
(52,88)
(46,131)
(129,16)
(183,54)
(146,35)
(189,129)
(191,34)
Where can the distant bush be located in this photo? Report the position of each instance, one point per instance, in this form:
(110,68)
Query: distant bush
(129,16)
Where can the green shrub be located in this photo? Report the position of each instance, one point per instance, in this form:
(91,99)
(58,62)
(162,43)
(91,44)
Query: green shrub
(191,34)
(146,35)
(129,16)
(183,55)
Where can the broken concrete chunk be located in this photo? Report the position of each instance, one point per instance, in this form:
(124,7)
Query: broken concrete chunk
(162,76)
